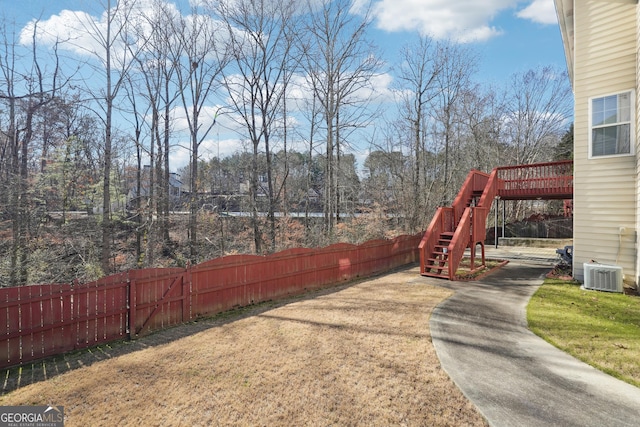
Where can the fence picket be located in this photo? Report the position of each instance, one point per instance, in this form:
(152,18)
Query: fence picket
(39,321)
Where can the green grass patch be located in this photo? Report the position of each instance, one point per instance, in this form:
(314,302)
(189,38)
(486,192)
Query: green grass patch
(599,328)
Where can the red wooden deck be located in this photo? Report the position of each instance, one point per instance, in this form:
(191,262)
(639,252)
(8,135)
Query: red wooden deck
(544,181)
(463,225)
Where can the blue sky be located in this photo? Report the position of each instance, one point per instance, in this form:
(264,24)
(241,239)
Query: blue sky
(510,36)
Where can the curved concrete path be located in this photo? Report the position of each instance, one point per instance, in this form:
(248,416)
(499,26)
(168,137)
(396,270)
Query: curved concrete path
(514,377)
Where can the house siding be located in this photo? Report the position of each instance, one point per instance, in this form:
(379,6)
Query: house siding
(636,278)
(605,189)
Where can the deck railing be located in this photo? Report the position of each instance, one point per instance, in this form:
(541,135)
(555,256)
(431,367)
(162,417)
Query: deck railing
(552,180)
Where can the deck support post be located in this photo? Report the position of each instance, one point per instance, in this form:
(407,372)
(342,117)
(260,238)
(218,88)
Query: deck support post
(504,217)
(495,222)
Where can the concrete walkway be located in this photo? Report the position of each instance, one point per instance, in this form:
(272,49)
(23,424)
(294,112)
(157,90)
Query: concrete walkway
(514,377)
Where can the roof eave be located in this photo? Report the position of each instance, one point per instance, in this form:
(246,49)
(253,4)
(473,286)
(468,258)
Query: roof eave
(564,10)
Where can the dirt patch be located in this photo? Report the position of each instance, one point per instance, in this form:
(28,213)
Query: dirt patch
(359,356)
(561,272)
(466,274)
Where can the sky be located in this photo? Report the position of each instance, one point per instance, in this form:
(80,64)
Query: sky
(510,36)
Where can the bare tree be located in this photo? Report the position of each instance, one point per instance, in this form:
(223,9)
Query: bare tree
(14,181)
(66,137)
(138,118)
(112,40)
(419,85)
(312,109)
(340,63)
(482,112)
(27,92)
(201,57)
(385,180)
(154,75)
(456,64)
(262,34)
(539,103)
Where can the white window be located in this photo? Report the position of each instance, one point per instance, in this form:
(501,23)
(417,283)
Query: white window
(611,125)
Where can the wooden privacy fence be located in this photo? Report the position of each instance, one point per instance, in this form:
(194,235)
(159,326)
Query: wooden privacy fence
(40,321)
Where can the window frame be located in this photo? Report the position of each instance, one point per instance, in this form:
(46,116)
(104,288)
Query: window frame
(631,122)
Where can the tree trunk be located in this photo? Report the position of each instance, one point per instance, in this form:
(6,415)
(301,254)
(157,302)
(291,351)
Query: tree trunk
(105,254)
(167,173)
(272,199)
(193,205)
(253,197)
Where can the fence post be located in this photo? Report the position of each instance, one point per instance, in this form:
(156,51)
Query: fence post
(131,306)
(74,312)
(186,294)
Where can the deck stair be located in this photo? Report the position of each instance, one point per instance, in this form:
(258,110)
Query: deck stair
(462,225)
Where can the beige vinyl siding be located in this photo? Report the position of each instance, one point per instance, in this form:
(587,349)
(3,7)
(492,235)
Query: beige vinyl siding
(636,279)
(605,188)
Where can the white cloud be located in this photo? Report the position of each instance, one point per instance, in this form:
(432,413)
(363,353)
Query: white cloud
(460,20)
(82,32)
(379,91)
(69,27)
(212,147)
(540,11)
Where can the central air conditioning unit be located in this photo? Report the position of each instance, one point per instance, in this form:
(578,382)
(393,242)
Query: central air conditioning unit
(601,277)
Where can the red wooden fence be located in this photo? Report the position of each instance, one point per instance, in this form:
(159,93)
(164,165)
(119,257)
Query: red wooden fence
(39,321)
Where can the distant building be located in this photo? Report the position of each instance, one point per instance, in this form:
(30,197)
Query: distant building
(175,187)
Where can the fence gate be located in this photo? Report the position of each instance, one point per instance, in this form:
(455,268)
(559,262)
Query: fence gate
(158,298)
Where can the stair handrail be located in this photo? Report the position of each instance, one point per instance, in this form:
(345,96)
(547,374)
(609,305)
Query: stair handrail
(479,226)
(475,181)
(447,219)
(441,222)
(490,190)
(459,242)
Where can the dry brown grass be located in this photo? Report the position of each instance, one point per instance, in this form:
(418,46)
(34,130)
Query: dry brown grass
(359,356)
